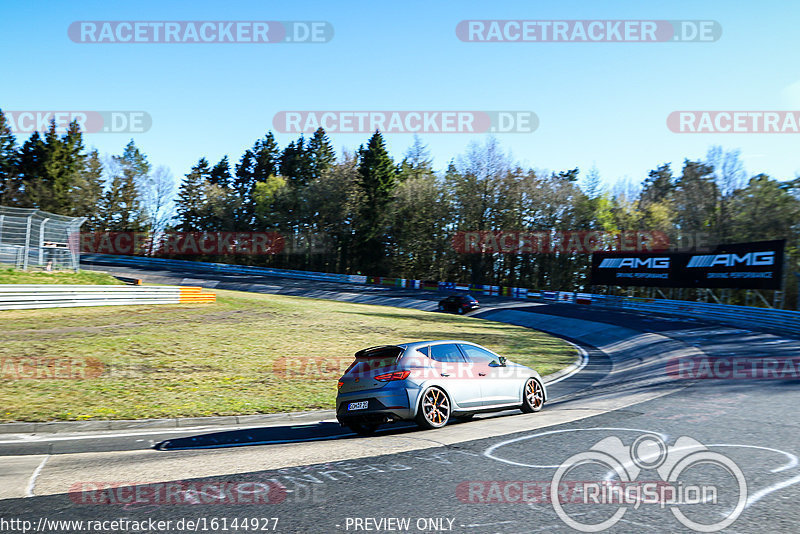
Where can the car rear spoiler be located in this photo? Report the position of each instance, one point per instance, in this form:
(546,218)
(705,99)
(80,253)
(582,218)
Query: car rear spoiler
(366,352)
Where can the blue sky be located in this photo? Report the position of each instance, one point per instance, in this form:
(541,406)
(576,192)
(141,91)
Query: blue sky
(599,104)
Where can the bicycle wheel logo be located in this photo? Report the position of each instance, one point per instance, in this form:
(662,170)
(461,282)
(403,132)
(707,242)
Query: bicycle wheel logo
(621,485)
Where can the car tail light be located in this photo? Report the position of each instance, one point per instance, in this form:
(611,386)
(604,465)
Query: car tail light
(339,385)
(389,377)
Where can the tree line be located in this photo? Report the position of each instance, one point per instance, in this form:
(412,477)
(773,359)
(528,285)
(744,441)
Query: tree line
(366,212)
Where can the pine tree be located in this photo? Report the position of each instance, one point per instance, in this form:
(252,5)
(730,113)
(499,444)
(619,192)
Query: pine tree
(66,162)
(320,154)
(10,184)
(88,192)
(295,163)
(244,184)
(190,204)
(31,169)
(266,158)
(417,162)
(221,173)
(121,207)
(377,182)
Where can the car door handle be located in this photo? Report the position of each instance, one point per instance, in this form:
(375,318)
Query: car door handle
(445,374)
(481,374)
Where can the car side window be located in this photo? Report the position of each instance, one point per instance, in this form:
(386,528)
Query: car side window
(425,350)
(447,352)
(478,355)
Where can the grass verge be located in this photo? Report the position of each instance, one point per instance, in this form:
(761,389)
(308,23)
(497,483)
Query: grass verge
(13,276)
(247,353)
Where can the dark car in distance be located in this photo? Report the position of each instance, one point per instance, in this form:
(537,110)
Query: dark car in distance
(459,303)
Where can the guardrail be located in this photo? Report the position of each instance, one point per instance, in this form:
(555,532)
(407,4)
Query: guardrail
(32,296)
(746,316)
(225,268)
(784,320)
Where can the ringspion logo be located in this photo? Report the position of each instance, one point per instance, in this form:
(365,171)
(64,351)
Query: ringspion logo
(588,31)
(199,31)
(26,122)
(398,122)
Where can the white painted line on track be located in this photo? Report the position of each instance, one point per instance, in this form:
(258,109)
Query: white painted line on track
(34,476)
(489,452)
(187,430)
(579,368)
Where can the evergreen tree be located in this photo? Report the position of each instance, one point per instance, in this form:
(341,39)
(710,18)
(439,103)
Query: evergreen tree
(657,187)
(121,207)
(295,163)
(244,184)
(266,158)
(190,205)
(417,162)
(88,191)
(377,183)
(10,185)
(221,173)
(321,155)
(30,171)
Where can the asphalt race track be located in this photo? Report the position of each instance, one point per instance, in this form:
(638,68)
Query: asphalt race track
(493,474)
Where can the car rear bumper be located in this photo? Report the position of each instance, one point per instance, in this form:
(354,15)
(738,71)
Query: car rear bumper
(384,404)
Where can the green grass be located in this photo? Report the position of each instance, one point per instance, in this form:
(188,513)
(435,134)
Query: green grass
(223,358)
(13,276)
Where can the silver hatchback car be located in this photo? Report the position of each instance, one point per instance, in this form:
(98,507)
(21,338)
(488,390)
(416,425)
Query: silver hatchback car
(431,382)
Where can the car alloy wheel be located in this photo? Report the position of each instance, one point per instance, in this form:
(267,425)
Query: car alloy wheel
(533,396)
(434,409)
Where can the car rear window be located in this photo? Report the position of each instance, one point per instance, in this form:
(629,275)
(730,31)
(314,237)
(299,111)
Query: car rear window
(370,360)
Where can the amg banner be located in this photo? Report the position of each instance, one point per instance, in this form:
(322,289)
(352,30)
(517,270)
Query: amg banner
(741,266)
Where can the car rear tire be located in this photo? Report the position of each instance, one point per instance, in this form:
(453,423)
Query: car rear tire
(532,396)
(434,409)
(362,428)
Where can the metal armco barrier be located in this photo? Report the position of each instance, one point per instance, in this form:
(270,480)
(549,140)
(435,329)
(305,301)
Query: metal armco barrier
(745,316)
(784,320)
(225,268)
(31,296)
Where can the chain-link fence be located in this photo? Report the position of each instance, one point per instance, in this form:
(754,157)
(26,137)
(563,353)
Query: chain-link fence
(31,238)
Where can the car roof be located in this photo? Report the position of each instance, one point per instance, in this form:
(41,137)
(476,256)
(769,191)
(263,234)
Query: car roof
(419,344)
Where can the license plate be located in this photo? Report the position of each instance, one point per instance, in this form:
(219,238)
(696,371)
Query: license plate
(357,406)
